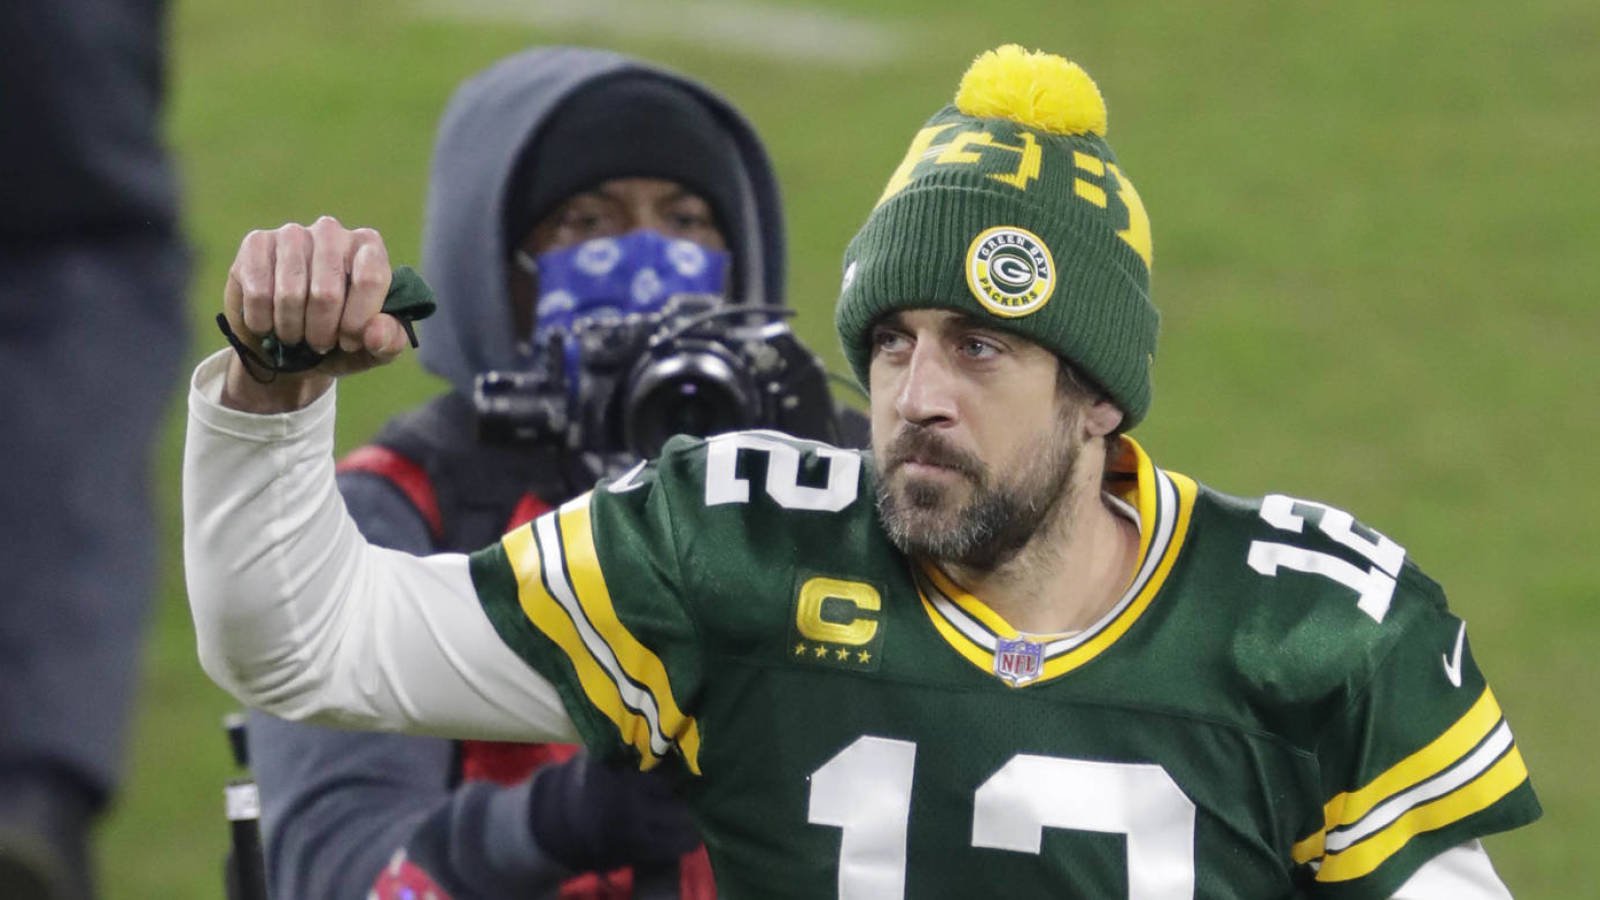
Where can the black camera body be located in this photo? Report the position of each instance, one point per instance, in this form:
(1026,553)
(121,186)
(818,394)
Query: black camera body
(627,383)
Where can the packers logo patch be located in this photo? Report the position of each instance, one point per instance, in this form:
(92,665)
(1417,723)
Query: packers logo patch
(1010,271)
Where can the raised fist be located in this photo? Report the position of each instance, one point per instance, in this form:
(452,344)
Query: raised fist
(324,285)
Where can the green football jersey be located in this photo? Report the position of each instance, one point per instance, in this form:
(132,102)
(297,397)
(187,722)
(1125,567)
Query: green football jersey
(1280,704)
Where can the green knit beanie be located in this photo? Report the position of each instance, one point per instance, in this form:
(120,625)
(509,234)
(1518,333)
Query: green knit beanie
(1009,207)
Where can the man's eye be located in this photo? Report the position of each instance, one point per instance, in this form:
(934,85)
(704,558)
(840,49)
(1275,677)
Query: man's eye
(689,222)
(888,340)
(977,348)
(586,223)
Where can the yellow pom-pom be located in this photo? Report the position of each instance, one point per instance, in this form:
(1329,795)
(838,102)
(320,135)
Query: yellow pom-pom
(1040,90)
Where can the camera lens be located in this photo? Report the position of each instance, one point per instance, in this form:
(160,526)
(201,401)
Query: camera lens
(700,391)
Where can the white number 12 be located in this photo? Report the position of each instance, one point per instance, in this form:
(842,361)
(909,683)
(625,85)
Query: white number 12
(865,790)
(1373,586)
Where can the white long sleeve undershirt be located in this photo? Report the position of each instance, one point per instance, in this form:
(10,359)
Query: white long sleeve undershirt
(297,614)
(1461,873)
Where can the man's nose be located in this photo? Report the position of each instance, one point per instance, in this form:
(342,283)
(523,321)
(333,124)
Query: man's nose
(928,394)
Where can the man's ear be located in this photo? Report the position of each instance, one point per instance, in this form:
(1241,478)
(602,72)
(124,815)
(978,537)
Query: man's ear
(1101,418)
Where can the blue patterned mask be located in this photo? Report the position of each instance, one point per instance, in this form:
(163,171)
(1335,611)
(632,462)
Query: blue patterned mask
(634,273)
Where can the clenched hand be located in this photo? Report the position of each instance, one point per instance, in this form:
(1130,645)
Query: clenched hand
(322,284)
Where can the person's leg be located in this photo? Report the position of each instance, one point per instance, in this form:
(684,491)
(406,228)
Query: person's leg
(91,336)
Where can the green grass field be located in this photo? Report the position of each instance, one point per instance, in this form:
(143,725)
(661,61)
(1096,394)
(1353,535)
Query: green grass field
(1374,231)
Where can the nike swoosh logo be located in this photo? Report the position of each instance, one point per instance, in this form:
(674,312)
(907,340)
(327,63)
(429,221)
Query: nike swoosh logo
(627,482)
(1452,663)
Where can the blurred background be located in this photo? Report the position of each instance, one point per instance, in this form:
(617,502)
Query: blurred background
(1374,230)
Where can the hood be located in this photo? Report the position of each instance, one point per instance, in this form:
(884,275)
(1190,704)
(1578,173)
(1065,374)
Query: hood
(488,123)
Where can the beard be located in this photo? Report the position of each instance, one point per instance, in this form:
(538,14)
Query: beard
(998,519)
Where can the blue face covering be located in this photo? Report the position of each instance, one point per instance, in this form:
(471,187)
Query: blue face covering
(634,273)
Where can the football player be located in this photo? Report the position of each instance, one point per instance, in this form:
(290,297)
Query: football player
(1005,652)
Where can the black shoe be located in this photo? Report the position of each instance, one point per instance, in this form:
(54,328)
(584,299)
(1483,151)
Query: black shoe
(44,839)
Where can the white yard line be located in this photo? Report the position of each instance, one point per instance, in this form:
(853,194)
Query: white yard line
(790,33)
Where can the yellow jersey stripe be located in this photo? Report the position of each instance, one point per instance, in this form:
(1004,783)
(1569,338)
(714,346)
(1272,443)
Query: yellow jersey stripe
(1308,848)
(546,615)
(969,604)
(976,654)
(645,718)
(1445,750)
(1361,859)
(637,662)
(1469,769)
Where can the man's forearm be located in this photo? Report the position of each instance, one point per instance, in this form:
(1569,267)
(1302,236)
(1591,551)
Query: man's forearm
(297,614)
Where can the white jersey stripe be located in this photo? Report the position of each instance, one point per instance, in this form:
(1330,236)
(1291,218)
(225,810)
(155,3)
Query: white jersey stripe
(634,696)
(1384,814)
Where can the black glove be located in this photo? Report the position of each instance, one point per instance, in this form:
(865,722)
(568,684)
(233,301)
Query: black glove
(592,817)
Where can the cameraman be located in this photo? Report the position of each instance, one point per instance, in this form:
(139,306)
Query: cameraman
(536,157)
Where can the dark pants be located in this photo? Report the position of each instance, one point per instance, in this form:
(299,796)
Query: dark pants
(92,333)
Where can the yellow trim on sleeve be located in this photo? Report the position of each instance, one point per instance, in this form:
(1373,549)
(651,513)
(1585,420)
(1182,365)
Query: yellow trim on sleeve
(637,661)
(1475,796)
(1308,848)
(1441,754)
(546,615)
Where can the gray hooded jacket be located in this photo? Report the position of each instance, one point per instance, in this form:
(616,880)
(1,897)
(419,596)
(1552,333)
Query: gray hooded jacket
(489,124)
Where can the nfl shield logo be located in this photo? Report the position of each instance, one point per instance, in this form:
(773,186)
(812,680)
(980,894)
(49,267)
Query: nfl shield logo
(1018,662)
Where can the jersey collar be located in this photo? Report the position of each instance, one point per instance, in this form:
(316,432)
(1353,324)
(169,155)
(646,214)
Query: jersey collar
(1162,502)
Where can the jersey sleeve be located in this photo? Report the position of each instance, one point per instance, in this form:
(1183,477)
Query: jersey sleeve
(1421,760)
(592,597)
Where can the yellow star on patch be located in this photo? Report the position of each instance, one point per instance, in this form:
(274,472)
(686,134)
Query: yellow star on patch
(863,656)
(843,654)
(821,651)
(800,649)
